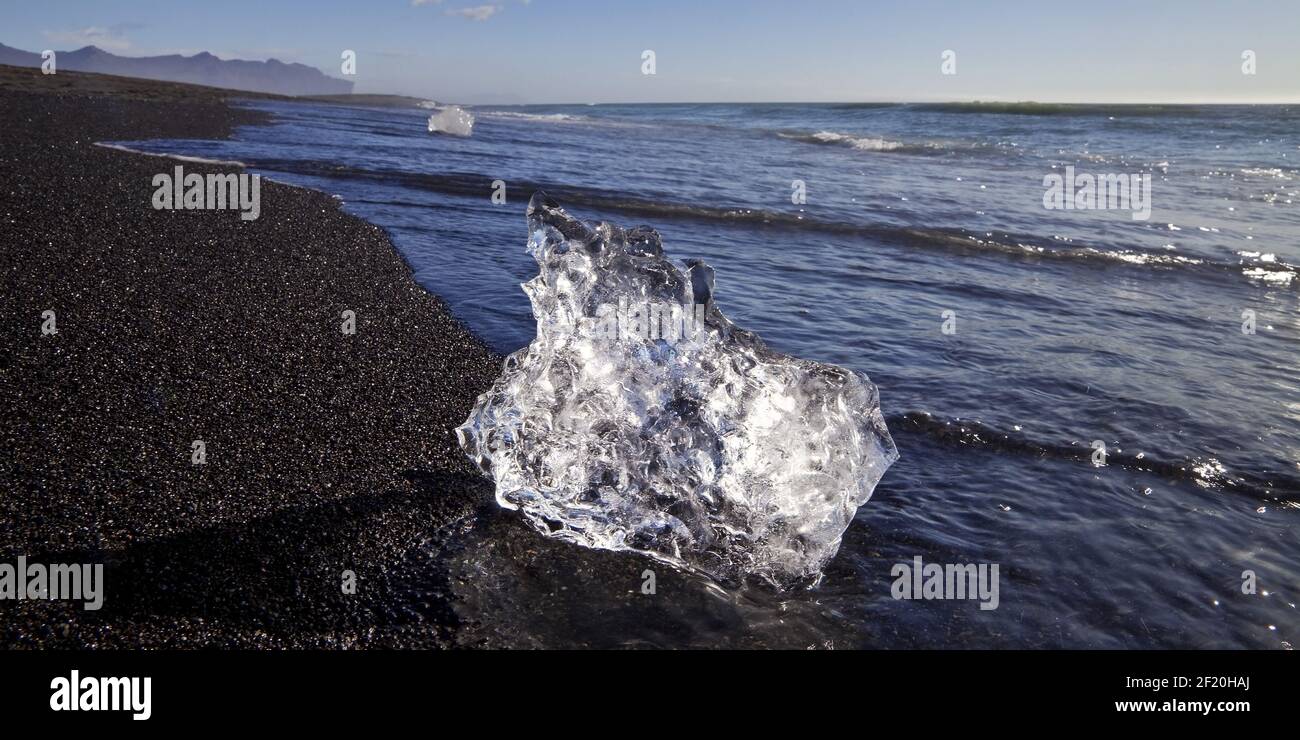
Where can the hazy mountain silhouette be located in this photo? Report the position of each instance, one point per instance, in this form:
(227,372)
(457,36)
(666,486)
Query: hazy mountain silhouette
(271,76)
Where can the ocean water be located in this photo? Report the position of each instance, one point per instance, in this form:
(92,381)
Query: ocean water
(1072,327)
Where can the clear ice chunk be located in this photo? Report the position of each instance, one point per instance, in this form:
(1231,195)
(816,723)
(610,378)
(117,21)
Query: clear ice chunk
(451,119)
(640,418)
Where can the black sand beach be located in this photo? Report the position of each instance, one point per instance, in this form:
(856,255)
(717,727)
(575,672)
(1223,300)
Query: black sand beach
(325,451)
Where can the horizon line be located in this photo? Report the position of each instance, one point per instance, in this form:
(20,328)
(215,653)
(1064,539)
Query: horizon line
(1296,101)
(933,101)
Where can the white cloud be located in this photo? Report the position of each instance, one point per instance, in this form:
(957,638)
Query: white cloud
(477,13)
(418,3)
(108,39)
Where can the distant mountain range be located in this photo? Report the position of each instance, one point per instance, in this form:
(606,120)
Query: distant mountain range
(271,76)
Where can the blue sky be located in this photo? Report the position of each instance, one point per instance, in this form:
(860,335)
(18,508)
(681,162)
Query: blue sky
(722,50)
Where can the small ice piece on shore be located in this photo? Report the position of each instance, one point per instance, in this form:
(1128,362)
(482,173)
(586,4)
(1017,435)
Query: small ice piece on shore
(451,119)
(640,418)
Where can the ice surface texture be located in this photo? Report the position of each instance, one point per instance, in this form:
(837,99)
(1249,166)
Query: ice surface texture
(451,119)
(641,419)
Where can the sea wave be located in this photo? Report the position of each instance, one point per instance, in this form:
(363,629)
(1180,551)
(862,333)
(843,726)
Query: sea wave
(955,240)
(540,117)
(565,119)
(1266,267)
(1276,173)
(178,157)
(1204,471)
(861,143)
(866,143)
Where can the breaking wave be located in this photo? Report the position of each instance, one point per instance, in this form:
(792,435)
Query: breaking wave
(1276,173)
(178,157)
(865,143)
(1206,472)
(861,143)
(539,117)
(955,240)
(1267,267)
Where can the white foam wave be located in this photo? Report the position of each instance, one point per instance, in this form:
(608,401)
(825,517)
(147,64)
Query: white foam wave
(179,157)
(861,143)
(1138,258)
(1276,173)
(541,117)
(1283,277)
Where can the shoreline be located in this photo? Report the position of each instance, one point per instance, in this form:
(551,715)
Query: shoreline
(324,452)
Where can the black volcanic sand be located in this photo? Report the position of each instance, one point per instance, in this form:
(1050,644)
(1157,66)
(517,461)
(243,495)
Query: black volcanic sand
(325,452)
